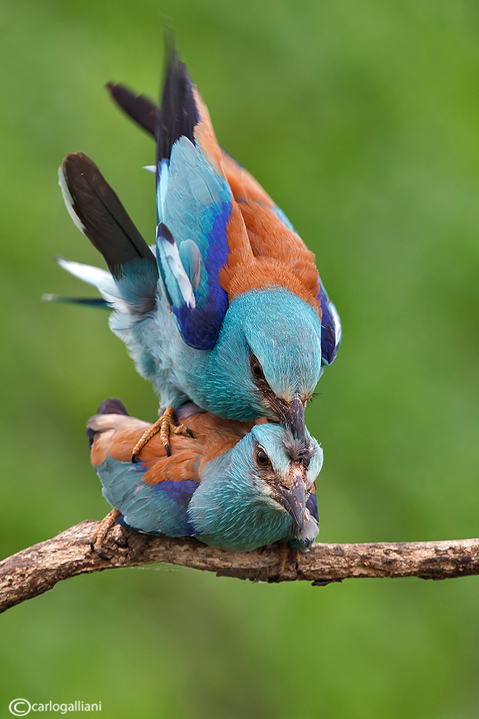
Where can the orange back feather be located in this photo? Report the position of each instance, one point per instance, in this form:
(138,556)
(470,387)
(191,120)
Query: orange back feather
(212,437)
(263,251)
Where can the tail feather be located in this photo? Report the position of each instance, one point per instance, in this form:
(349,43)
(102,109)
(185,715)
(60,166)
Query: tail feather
(108,406)
(112,405)
(101,279)
(89,301)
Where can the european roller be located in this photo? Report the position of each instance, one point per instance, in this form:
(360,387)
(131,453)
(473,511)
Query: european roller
(227,310)
(234,485)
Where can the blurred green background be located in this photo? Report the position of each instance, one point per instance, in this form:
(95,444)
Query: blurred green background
(362,121)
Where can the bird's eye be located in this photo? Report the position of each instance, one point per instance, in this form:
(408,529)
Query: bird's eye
(261,458)
(256,368)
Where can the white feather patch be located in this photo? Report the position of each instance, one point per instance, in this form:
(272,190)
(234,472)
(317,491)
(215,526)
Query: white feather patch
(337,323)
(97,277)
(92,275)
(191,260)
(171,256)
(68,200)
(162,187)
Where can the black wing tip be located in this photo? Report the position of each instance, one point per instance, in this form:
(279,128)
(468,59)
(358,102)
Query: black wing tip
(138,107)
(177,75)
(104,220)
(178,115)
(75,156)
(77,161)
(118,90)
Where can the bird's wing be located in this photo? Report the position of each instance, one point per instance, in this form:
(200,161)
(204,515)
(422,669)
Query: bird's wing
(330,327)
(196,211)
(312,504)
(152,495)
(144,112)
(276,253)
(99,214)
(139,107)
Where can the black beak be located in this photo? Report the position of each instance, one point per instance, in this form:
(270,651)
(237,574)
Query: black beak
(293,499)
(291,414)
(296,417)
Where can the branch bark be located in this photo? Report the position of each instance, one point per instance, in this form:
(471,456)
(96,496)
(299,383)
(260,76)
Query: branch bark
(37,569)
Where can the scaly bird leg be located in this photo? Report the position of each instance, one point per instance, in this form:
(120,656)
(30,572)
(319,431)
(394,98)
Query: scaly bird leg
(283,557)
(286,552)
(101,531)
(165,425)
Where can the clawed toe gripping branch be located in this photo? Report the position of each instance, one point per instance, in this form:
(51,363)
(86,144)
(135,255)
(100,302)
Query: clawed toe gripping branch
(37,569)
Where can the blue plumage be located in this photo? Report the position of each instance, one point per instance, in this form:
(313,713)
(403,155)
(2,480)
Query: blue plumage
(330,328)
(228,487)
(154,509)
(194,206)
(225,309)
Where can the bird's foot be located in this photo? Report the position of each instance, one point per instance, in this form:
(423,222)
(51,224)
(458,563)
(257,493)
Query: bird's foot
(165,425)
(286,554)
(100,533)
(283,557)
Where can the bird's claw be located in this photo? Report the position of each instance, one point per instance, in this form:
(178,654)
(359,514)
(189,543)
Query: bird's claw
(286,554)
(100,533)
(165,426)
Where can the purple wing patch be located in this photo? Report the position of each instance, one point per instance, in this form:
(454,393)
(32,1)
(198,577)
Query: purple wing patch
(201,325)
(330,328)
(312,505)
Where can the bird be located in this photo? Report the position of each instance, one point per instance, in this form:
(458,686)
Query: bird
(235,486)
(227,309)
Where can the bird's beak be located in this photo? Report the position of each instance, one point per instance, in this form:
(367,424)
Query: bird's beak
(293,499)
(296,417)
(291,414)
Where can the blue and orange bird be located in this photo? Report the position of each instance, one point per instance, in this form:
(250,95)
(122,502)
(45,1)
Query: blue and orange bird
(233,486)
(227,309)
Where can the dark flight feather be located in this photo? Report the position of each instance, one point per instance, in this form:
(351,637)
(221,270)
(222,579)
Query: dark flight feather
(178,114)
(138,107)
(103,218)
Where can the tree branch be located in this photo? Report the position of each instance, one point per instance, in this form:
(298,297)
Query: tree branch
(37,569)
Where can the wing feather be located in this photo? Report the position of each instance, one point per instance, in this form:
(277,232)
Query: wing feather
(275,252)
(99,214)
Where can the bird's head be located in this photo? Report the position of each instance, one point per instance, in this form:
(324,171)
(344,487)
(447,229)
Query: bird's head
(283,469)
(259,492)
(268,357)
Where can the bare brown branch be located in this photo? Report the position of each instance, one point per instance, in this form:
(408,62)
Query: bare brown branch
(37,569)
